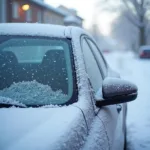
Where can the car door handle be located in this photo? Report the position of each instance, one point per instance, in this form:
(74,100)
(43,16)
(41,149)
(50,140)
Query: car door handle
(119,108)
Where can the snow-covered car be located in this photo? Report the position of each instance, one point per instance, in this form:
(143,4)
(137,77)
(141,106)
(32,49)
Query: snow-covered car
(144,51)
(57,92)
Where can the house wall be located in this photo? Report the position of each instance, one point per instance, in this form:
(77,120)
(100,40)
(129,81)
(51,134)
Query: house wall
(3,12)
(53,18)
(47,16)
(22,15)
(36,13)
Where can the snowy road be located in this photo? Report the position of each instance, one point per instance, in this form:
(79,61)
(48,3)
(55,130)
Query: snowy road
(138,117)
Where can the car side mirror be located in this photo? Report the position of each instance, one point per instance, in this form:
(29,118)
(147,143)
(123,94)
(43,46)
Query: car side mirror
(115,91)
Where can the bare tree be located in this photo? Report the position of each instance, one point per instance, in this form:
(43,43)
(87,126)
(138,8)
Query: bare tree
(125,32)
(138,15)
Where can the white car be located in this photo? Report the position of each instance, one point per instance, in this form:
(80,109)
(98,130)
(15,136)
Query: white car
(57,92)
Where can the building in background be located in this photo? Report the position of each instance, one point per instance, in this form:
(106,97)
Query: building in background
(36,11)
(3,11)
(71,17)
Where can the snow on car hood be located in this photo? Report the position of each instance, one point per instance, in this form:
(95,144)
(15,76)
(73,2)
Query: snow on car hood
(38,128)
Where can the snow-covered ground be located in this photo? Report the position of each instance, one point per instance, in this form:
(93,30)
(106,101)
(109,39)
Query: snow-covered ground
(138,117)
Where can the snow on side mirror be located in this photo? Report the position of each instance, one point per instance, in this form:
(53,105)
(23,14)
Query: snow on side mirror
(115,91)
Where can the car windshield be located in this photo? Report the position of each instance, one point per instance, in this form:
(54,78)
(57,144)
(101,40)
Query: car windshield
(35,70)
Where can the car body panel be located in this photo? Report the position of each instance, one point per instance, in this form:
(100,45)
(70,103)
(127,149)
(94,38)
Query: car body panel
(145,54)
(112,121)
(98,138)
(41,128)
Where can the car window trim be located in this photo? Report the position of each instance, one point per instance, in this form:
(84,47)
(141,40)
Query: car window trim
(89,82)
(99,66)
(98,51)
(103,74)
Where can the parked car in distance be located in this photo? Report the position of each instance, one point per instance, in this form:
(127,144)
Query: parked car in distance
(144,51)
(57,92)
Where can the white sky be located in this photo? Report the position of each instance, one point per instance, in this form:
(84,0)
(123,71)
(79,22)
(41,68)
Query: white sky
(86,9)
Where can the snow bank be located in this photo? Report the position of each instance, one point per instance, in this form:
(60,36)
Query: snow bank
(33,93)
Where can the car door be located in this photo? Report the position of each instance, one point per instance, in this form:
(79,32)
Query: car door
(111,116)
(97,138)
(118,137)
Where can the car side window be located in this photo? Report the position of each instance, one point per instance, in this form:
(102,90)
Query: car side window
(99,57)
(92,68)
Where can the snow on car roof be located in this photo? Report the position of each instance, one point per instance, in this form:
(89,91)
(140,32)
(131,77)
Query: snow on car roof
(145,47)
(32,29)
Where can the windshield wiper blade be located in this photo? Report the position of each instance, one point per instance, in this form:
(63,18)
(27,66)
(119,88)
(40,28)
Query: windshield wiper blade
(8,102)
(7,105)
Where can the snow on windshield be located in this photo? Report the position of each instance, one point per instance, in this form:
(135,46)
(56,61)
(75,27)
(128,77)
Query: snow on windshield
(6,100)
(33,93)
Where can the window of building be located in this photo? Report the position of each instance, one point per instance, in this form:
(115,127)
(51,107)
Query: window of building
(46,18)
(39,16)
(15,10)
(53,19)
(29,15)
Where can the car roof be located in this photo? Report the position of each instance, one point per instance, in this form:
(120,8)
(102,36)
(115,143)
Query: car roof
(34,29)
(145,47)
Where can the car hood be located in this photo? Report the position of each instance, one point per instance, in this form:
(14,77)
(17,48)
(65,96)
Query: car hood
(35,128)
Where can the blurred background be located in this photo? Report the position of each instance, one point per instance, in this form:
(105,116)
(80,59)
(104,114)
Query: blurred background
(122,31)
(115,24)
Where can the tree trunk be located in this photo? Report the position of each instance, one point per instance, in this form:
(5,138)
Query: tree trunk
(142,39)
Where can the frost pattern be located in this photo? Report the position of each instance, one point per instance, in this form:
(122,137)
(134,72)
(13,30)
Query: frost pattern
(33,93)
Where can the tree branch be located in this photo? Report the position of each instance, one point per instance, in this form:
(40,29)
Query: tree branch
(133,19)
(139,7)
(134,22)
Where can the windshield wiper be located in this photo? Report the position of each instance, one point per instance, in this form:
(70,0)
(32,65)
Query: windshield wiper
(7,105)
(8,102)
